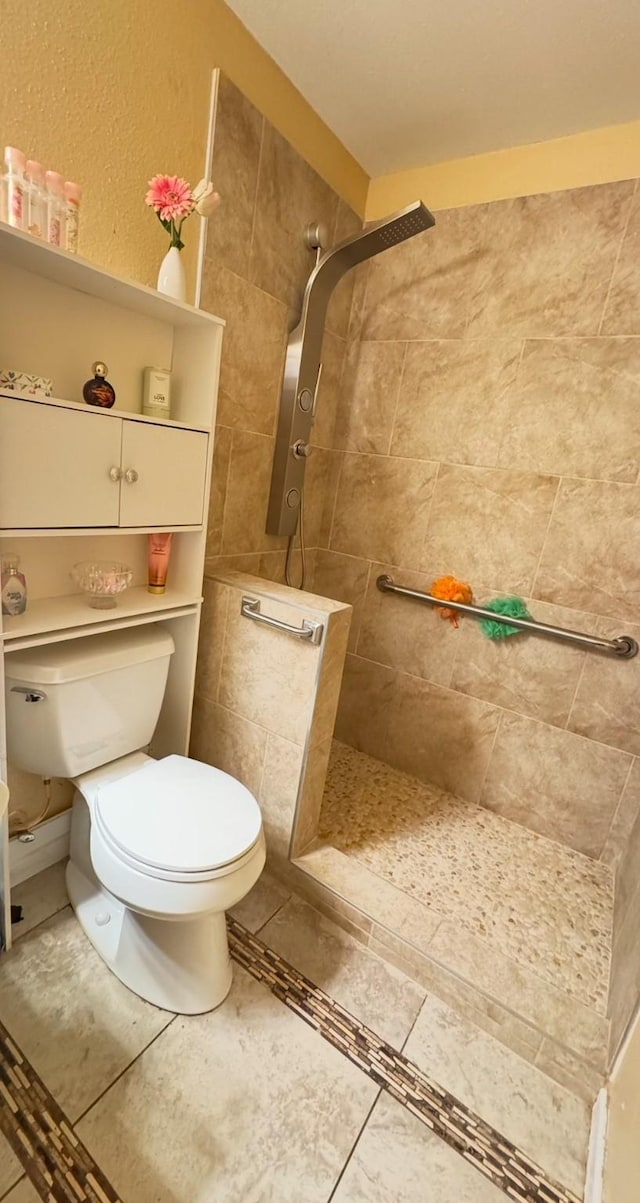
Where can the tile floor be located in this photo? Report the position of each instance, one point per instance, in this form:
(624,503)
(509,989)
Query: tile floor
(248,1103)
(542,905)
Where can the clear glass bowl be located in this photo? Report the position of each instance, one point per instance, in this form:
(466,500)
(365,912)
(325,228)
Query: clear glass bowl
(102,580)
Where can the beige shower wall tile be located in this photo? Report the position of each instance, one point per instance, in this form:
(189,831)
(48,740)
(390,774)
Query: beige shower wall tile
(217,565)
(236,156)
(280,592)
(434,734)
(625,973)
(346,225)
(367,699)
(228,742)
(547,261)
(406,634)
(622,312)
(369,393)
(220,472)
(331,667)
(607,704)
(345,579)
(382,508)
(572,400)
(622,824)
(420,288)
(253,350)
(453,400)
(525,673)
(249,482)
(278,793)
(333,351)
(358,301)
(321,473)
(590,556)
(266,675)
(310,797)
(554,782)
(627,867)
(213,623)
(290,194)
(488,526)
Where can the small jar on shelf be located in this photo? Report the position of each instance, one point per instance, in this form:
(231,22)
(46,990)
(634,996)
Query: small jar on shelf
(13,585)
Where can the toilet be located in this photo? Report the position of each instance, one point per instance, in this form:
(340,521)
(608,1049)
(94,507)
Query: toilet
(160,849)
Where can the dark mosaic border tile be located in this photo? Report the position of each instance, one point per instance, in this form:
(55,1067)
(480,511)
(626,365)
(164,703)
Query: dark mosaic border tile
(483,1146)
(54,1158)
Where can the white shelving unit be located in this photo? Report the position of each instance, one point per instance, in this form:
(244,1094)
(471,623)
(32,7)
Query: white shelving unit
(77,482)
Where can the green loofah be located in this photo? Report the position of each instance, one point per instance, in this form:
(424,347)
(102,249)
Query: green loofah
(512,606)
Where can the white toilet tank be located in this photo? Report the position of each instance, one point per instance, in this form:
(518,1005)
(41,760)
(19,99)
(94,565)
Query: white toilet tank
(75,705)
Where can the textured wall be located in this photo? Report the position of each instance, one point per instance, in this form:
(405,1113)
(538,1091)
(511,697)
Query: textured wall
(112,91)
(255,270)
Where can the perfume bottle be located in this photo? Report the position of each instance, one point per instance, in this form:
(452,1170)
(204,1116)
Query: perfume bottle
(13,586)
(98,391)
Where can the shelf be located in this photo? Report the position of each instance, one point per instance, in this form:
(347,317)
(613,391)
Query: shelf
(96,411)
(71,271)
(68,613)
(68,532)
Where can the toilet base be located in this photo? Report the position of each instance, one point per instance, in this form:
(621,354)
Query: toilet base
(181,966)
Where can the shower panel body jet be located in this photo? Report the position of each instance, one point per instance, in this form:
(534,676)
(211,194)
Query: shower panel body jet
(303,368)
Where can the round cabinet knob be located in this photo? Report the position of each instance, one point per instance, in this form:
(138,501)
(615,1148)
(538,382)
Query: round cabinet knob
(130,476)
(115,474)
(301,450)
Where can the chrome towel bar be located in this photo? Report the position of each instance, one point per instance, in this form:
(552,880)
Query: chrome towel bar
(310,630)
(623,646)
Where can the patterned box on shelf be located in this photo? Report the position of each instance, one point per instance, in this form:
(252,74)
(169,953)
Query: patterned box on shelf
(24,383)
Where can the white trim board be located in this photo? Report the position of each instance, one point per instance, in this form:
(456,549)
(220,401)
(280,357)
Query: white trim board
(50,845)
(594,1181)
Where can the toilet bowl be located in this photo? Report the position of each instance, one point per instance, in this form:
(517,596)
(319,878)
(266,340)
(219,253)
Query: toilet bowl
(160,849)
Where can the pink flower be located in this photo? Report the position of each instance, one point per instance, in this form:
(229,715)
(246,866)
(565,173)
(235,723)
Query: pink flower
(170,196)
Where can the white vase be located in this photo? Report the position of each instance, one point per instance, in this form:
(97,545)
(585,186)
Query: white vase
(171,280)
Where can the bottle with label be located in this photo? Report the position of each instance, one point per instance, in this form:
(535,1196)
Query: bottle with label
(72,196)
(55,209)
(13,187)
(36,199)
(156,396)
(13,586)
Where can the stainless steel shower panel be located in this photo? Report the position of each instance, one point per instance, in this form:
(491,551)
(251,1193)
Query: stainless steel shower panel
(302,370)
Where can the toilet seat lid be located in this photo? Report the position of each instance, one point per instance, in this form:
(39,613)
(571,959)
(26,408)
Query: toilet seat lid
(179,814)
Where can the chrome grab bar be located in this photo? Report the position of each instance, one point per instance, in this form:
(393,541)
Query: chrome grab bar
(310,630)
(623,646)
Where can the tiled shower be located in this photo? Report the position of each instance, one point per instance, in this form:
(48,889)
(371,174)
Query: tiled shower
(477,416)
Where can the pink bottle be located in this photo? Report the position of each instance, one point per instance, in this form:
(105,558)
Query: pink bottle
(13,186)
(55,208)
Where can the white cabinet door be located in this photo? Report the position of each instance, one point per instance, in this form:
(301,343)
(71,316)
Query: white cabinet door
(163,475)
(54,466)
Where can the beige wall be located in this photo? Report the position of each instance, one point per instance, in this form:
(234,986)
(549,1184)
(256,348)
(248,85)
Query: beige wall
(596,157)
(255,270)
(622,1163)
(112,91)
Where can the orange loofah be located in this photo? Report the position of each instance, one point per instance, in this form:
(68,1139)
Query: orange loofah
(451,589)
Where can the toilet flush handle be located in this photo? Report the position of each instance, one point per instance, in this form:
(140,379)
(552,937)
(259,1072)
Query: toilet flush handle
(30,695)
